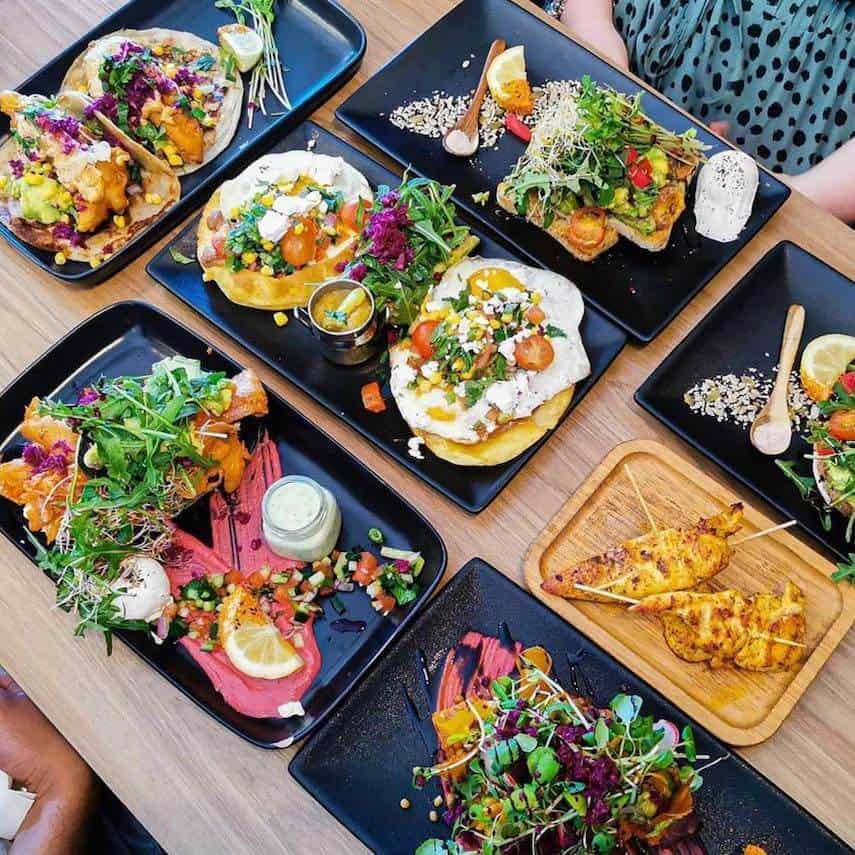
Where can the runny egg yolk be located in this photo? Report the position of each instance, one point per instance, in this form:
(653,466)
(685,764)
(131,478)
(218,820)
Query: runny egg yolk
(492,279)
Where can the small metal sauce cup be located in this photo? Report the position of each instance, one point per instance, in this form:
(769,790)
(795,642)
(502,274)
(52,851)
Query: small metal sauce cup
(346,347)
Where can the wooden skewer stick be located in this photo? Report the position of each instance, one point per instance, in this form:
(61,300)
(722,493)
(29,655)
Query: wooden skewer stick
(779,640)
(764,532)
(640,498)
(602,593)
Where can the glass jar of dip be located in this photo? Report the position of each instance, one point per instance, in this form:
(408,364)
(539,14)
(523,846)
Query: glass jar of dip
(301,519)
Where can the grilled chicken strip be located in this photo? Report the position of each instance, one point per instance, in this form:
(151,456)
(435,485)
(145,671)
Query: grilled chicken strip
(727,627)
(672,559)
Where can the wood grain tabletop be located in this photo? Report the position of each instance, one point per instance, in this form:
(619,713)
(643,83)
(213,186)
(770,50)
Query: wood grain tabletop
(193,784)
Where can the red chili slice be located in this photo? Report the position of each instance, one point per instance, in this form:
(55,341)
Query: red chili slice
(517,127)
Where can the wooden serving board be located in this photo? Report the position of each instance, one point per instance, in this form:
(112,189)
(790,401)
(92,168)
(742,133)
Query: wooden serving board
(740,707)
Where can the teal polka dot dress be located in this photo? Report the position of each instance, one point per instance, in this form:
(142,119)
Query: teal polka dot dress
(781,72)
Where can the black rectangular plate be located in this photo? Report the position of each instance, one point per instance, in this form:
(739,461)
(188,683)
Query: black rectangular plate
(291,351)
(321,46)
(126,338)
(642,291)
(744,331)
(359,764)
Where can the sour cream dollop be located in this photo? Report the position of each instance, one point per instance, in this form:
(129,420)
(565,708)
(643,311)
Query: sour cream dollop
(727,186)
(146,589)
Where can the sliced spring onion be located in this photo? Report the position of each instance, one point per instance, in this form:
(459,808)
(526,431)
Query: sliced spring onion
(337,604)
(376,536)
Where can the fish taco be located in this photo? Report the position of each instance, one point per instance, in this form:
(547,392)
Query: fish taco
(168,90)
(283,226)
(73,185)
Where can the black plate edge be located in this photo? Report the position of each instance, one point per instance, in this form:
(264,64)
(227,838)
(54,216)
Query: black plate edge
(643,390)
(478,565)
(424,598)
(635,335)
(473,508)
(185,205)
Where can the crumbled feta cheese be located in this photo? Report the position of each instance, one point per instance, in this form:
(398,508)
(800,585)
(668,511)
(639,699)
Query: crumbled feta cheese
(404,373)
(291,709)
(430,368)
(292,206)
(272,226)
(414,444)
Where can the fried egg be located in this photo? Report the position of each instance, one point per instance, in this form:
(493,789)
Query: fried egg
(488,306)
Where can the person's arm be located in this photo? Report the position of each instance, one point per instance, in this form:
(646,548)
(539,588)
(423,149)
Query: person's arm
(831,183)
(35,754)
(591,20)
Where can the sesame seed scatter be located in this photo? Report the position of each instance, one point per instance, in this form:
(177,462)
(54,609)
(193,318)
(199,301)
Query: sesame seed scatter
(436,114)
(733,399)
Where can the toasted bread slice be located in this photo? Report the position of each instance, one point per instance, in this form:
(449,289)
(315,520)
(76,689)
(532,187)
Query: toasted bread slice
(559,228)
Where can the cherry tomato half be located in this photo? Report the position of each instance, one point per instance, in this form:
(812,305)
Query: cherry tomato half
(841,425)
(298,245)
(534,353)
(422,335)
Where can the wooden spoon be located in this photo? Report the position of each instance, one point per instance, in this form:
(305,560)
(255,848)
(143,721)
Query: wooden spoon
(463,139)
(771,432)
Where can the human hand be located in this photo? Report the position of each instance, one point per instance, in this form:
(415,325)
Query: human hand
(37,757)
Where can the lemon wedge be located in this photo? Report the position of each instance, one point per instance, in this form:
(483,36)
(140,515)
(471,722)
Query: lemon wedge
(823,361)
(251,640)
(243,43)
(506,73)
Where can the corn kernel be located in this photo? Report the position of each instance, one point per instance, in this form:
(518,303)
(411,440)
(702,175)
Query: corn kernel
(266,270)
(467,375)
(536,297)
(436,378)
(268,245)
(424,384)
(248,258)
(4,180)
(299,229)
(120,221)
(170,69)
(174,160)
(153,198)
(457,365)
(478,333)
(34,178)
(234,214)
(95,261)
(494,324)
(157,50)
(198,94)
(280,319)
(207,276)
(506,318)
(60,258)
(267,200)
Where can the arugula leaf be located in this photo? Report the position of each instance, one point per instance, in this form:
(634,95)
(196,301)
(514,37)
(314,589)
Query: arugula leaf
(845,571)
(555,332)
(805,484)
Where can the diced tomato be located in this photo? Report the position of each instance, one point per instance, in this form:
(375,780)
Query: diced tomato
(385,603)
(535,315)
(367,569)
(640,173)
(257,580)
(281,593)
(823,450)
(847,381)
(517,127)
(422,336)
(631,155)
(534,353)
(349,214)
(233,577)
(372,398)
(841,425)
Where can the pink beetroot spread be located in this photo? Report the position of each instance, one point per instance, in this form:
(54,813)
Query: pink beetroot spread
(239,545)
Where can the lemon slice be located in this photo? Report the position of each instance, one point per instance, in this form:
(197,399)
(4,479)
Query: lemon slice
(823,361)
(243,43)
(251,640)
(506,68)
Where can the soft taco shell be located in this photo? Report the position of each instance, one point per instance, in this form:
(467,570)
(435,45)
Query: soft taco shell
(157,178)
(506,444)
(84,70)
(257,291)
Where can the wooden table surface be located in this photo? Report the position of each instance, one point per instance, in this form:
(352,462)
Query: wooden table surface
(193,784)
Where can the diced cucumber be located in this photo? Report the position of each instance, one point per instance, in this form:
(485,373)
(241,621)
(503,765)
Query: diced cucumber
(317,579)
(340,564)
(280,578)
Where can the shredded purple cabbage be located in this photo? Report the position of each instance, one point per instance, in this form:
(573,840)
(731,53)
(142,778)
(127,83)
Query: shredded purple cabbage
(17,167)
(88,395)
(106,104)
(385,229)
(41,461)
(65,231)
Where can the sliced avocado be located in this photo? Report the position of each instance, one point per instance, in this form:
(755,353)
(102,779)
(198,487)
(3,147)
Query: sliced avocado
(838,476)
(37,199)
(658,161)
(621,204)
(569,202)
